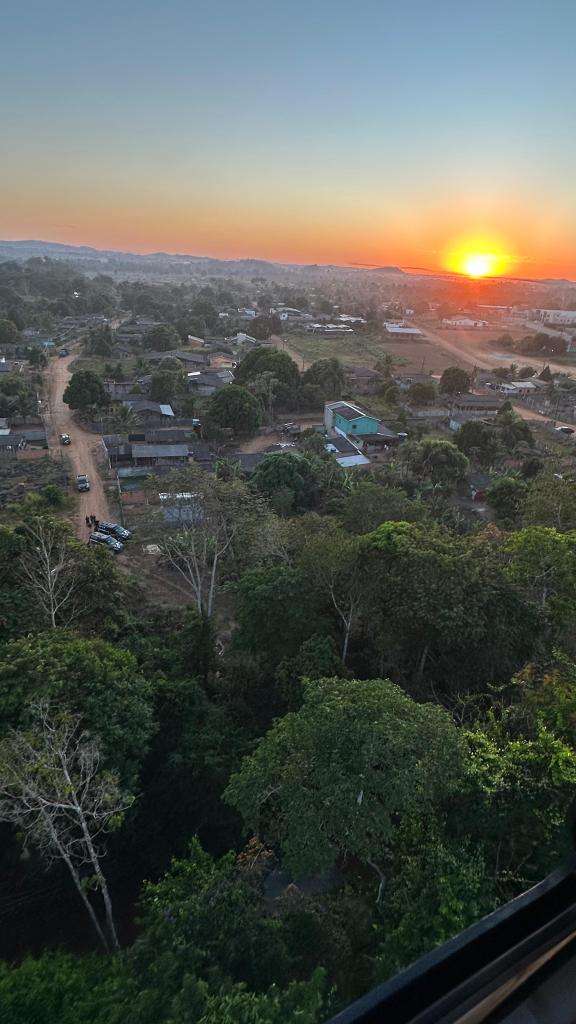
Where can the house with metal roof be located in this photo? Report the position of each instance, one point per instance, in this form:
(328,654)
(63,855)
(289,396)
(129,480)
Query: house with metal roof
(362,379)
(195,358)
(208,382)
(476,406)
(146,410)
(346,453)
(349,419)
(154,454)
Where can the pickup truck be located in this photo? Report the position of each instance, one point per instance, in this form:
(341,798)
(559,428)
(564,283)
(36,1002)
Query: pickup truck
(82,482)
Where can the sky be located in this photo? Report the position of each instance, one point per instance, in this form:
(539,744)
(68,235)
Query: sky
(309,131)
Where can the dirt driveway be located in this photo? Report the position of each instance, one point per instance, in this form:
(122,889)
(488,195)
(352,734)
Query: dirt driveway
(82,451)
(283,346)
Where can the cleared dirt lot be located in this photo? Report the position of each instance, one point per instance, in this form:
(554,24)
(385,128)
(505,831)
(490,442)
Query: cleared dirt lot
(480,348)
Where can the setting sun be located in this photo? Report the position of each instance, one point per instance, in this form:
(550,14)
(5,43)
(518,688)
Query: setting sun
(480,264)
(477,258)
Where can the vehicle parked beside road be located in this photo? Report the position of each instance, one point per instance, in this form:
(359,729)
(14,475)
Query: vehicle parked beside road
(115,530)
(105,538)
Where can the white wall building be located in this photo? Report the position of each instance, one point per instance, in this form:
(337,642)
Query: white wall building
(464,323)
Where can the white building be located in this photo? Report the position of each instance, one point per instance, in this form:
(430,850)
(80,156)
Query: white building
(464,323)
(402,331)
(563,317)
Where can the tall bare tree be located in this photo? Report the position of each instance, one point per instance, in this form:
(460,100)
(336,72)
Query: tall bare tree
(49,571)
(218,527)
(333,559)
(55,790)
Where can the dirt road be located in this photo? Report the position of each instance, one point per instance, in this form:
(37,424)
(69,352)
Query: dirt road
(280,344)
(470,349)
(83,448)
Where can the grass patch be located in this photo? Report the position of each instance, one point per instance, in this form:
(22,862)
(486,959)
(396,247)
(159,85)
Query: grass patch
(19,477)
(97,365)
(362,349)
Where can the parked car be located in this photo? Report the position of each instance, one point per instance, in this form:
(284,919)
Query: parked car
(82,482)
(115,530)
(565,430)
(65,439)
(63,352)
(105,538)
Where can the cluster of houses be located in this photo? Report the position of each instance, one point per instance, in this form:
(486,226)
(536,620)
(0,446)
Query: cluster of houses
(9,366)
(202,379)
(17,439)
(316,323)
(134,456)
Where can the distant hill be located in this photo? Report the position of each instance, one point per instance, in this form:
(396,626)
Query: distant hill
(164,265)
(28,248)
(386,270)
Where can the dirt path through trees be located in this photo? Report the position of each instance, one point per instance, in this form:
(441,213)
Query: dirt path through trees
(81,452)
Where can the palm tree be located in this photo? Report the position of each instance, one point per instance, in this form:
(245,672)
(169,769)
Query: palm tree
(123,417)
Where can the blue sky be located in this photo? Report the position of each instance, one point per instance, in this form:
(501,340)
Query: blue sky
(301,128)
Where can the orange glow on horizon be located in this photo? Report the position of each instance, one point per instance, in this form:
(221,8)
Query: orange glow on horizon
(478,258)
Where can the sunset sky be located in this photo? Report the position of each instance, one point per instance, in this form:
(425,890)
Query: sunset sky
(324,131)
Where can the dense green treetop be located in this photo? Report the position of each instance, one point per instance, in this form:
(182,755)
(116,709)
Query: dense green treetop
(551,501)
(89,677)
(234,408)
(454,381)
(162,338)
(335,778)
(478,440)
(327,375)
(9,333)
(291,472)
(262,360)
(507,495)
(437,461)
(85,391)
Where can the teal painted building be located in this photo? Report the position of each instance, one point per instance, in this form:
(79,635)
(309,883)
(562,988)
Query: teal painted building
(349,419)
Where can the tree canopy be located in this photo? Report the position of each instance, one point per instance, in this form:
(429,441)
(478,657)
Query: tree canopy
(236,409)
(454,381)
(262,360)
(438,461)
(335,779)
(85,391)
(162,338)
(89,677)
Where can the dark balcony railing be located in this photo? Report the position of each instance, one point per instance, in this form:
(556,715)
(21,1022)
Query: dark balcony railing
(522,954)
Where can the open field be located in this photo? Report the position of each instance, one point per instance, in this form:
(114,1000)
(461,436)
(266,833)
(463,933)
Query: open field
(479,348)
(97,364)
(367,349)
(29,472)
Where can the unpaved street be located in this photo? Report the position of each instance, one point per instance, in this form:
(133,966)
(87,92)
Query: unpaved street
(471,348)
(83,448)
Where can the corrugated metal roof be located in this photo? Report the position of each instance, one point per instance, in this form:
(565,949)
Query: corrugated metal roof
(159,451)
(349,412)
